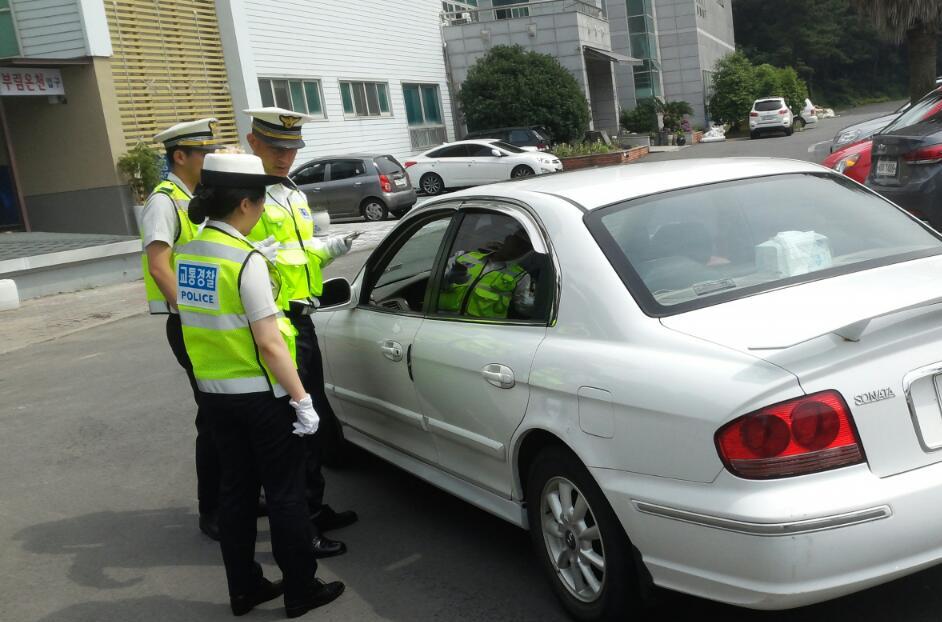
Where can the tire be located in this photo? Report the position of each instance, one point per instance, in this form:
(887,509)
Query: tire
(753,135)
(521,170)
(790,130)
(617,590)
(373,210)
(798,124)
(432,184)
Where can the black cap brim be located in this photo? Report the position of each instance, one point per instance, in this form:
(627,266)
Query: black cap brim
(280,142)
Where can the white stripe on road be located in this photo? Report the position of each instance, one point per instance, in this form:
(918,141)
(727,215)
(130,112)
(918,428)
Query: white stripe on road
(814,147)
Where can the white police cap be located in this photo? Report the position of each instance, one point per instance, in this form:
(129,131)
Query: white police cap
(278,127)
(235,170)
(199,134)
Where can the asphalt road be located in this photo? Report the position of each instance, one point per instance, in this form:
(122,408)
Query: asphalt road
(98,511)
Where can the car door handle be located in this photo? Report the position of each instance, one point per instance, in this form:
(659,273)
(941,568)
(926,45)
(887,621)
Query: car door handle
(359,183)
(315,189)
(392,350)
(498,375)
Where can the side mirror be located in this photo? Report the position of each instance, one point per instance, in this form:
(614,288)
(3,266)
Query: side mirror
(497,153)
(336,294)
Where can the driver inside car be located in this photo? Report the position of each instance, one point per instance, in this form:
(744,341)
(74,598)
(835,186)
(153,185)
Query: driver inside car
(494,282)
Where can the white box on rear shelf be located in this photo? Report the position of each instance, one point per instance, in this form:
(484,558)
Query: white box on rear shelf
(790,253)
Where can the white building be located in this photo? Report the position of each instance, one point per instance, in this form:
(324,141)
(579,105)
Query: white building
(374,78)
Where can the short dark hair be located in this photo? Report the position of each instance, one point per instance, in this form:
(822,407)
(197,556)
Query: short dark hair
(218,202)
(172,150)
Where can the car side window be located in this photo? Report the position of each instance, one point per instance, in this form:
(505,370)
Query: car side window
(480,151)
(345,169)
(519,136)
(492,272)
(313,174)
(401,277)
(454,151)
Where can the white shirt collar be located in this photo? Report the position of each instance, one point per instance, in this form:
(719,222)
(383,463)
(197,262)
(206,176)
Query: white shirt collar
(179,182)
(226,227)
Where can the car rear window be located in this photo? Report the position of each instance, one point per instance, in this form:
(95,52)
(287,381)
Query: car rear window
(686,249)
(927,109)
(388,165)
(771,104)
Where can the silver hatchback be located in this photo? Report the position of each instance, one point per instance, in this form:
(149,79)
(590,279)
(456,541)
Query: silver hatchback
(369,186)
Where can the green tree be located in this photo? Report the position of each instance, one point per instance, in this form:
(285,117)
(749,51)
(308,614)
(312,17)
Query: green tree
(642,119)
(510,86)
(918,23)
(792,88)
(768,81)
(141,166)
(734,89)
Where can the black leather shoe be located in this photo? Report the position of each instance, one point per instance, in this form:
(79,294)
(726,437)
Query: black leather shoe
(209,525)
(328,519)
(321,593)
(265,592)
(325,547)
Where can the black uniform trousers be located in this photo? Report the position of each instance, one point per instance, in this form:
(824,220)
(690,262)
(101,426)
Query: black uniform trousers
(311,372)
(207,460)
(253,433)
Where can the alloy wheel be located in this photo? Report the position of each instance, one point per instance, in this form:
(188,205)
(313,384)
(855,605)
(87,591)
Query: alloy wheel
(431,184)
(373,211)
(521,171)
(573,539)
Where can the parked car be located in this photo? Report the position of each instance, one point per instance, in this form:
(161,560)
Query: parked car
(717,376)
(853,160)
(474,162)
(807,116)
(865,129)
(527,138)
(371,186)
(770,115)
(907,156)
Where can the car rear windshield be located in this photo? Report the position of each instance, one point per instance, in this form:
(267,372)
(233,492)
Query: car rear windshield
(692,248)
(508,147)
(928,109)
(387,165)
(769,104)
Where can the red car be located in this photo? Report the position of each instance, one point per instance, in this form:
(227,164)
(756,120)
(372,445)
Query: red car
(853,160)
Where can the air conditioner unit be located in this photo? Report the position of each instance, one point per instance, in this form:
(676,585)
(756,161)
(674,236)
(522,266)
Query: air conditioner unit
(461,18)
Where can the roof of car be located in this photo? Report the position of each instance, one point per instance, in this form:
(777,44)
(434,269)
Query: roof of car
(598,187)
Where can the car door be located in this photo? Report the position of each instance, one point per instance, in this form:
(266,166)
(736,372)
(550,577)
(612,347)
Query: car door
(310,180)
(369,347)
(451,164)
(344,187)
(483,166)
(472,370)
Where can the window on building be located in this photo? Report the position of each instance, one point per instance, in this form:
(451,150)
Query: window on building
(424,113)
(641,36)
(510,13)
(298,95)
(701,8)
(365,99)
(8,44)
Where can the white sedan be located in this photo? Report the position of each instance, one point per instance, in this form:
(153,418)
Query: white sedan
(475,162)
(721,377)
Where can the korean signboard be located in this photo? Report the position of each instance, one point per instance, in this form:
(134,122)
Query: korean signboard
(30,81)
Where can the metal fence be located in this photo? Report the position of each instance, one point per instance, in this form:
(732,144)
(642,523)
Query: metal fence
(427,136)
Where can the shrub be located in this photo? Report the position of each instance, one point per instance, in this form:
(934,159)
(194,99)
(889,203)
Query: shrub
(141,166)
(642,119)
(566,150)
(734,89)
(512,87)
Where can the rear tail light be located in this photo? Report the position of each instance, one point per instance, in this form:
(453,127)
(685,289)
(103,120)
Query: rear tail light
(783,111)
(385,184)
(409,163)
(926,155)
(753,114)
(805,435)
(541,146)
(846,163)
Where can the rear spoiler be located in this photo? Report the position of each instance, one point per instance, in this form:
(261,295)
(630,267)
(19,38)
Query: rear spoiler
(853,330)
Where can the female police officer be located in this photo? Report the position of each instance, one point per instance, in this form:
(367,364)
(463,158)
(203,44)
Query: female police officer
(242,348)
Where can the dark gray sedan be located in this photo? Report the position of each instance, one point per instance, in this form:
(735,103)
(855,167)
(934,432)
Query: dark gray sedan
(370,186)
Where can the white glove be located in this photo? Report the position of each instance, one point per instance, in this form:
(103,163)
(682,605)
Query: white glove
(338,245)
(307,418)
(268,247)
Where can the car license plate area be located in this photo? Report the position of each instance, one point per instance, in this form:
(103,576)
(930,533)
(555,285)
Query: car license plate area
(400,183)
(886,167)
(767,117)
(925,407)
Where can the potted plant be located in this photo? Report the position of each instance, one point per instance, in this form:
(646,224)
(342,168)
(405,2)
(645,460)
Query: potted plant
(141,167)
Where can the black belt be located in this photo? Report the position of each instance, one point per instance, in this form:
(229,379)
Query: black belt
(300,308)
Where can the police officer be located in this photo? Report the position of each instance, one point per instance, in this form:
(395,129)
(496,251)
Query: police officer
(242,350)
(493,283)
(300,257)
(164,228)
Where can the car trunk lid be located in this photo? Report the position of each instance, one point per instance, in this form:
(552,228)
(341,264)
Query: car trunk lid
(896,154)
(874,336)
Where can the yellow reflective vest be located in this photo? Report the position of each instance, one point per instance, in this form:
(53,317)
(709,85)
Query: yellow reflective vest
(186,230)
(483,294)
(216,330)
(301,257)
